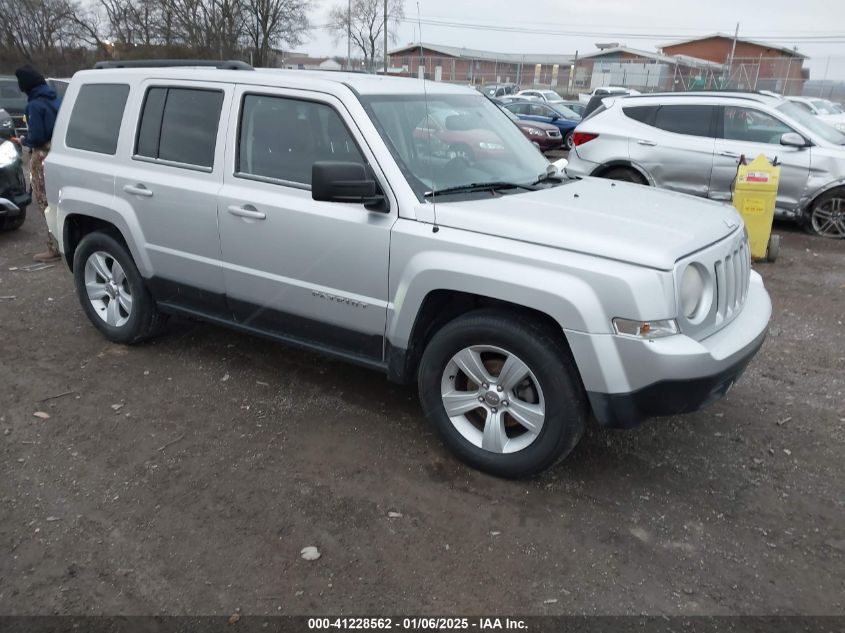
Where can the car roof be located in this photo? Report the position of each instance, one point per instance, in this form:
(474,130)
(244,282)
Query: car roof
(704,94)
(360,83)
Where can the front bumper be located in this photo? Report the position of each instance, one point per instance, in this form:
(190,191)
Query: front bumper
(631,380)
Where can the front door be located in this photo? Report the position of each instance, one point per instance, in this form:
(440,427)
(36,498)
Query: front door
(314,272)
(746,131)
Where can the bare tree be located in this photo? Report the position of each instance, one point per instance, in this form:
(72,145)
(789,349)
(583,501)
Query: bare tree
(270,23)
(34,28)
(365,24)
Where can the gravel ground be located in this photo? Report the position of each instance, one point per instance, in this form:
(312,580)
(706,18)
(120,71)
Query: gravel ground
(185,475)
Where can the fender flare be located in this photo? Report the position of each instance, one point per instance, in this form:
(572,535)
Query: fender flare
(629,165)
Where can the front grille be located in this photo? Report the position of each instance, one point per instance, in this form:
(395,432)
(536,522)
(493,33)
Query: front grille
(732,274)
(553,133)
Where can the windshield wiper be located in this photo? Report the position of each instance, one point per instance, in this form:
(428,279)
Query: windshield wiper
(478,186)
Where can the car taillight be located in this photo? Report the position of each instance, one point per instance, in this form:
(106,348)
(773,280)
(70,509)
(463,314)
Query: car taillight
(579,138)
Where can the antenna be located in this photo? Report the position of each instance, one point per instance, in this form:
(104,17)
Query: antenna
(435,228)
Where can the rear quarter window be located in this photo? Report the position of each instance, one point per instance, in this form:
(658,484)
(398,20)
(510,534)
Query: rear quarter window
(643,114)
(94,123)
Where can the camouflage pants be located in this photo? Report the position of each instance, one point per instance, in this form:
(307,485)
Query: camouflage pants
(36,175)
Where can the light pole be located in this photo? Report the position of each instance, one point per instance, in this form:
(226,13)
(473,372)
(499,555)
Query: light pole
(349,37)
(385,37)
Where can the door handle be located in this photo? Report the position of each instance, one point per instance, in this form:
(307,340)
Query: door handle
(247,211)
(138,190)
(645,142)
(729,154)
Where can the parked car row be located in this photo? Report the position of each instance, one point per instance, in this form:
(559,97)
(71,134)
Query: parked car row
(693,142)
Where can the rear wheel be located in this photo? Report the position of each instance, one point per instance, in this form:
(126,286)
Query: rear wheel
(567,141)
(826,216)
(111,290)
(13,224)
(503,393)
(625,174)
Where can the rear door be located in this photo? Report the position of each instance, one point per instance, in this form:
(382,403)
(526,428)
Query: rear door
(747,131)
(674,144)
(172,181)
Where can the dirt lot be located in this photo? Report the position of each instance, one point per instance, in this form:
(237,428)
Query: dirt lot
(184,476)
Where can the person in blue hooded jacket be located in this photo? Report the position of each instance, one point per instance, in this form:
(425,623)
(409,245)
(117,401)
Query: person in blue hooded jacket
(42,107)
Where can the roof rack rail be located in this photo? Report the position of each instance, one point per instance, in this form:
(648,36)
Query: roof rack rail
(232,64)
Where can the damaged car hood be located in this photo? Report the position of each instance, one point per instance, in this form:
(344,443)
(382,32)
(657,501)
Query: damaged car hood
(595,216)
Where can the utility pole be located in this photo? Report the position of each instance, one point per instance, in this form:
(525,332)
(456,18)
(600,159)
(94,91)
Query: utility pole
(349,37)
(733,50)
(385,37)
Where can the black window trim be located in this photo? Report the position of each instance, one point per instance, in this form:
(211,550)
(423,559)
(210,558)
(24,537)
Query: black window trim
(236,173)
(119,129)
(172,163)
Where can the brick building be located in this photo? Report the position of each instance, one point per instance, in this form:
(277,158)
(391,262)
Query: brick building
(477,67)
(754,66)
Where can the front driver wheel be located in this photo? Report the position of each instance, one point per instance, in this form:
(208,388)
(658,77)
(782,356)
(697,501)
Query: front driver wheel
(111,290)
(503,393)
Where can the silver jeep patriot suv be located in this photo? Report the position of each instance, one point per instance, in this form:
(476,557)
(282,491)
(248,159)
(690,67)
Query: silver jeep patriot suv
(326,211)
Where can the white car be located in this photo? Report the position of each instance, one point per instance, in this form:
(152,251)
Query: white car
(549,96)
(825,110)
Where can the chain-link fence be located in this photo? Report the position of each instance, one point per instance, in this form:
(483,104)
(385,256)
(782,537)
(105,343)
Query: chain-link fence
(785,75)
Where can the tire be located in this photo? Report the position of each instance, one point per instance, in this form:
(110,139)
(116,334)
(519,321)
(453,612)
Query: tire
(98,260)
(567,141)
(825,217)
(551,386)
(625,174)
(773,249)
(13,224)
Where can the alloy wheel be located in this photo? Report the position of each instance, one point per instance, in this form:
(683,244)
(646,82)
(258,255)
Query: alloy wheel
(493,399)
(108,288)
(828,218)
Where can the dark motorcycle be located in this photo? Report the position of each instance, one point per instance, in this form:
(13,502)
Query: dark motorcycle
(14,197)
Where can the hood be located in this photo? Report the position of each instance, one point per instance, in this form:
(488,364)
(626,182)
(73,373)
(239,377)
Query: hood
(42,92)
(616,220)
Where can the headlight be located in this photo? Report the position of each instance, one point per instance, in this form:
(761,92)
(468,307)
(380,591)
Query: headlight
(645,329)
(533,131)
(8,154)
(493,146)
(840,127)
(7,124)
(692,290)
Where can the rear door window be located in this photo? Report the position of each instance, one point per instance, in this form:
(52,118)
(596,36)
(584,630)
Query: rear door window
(94,123)
(179,125)
(692,120)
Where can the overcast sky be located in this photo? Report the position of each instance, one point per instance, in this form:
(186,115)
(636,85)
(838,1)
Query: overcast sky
(796,22)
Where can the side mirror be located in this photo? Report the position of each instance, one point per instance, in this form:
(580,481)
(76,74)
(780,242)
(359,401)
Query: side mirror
(555,117)
(793,139)
(334,181)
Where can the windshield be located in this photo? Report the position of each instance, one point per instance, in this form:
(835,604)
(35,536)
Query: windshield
(551,95)
(812,123)
(10,95)
(457,140)
(565,112)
